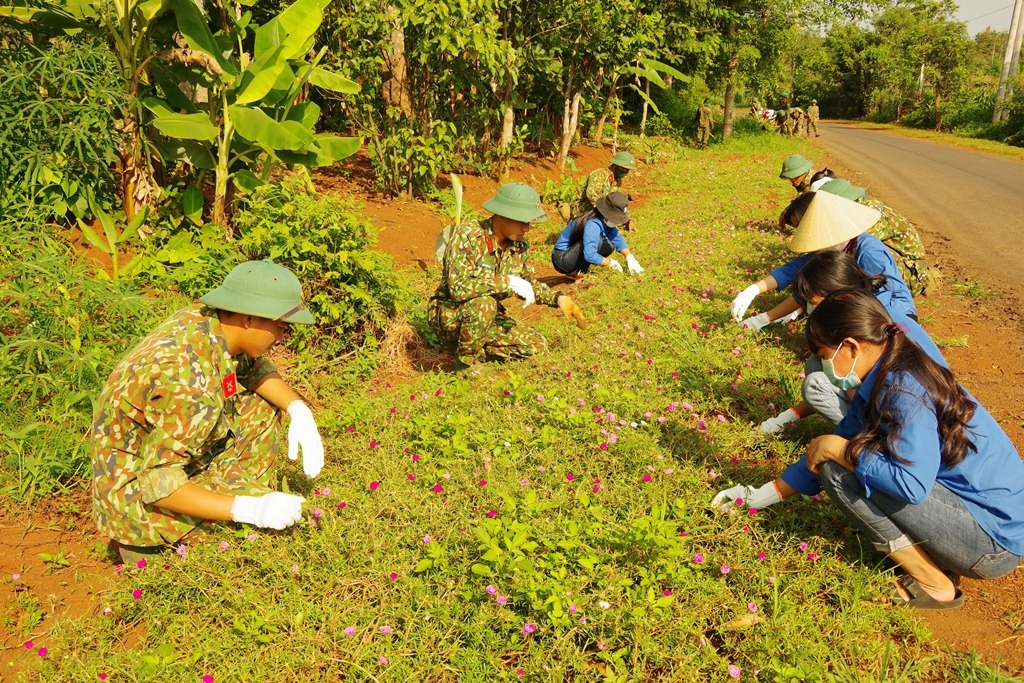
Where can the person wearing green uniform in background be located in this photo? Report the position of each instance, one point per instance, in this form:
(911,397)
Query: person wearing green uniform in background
(797,170)
(485,262)
(782,115)
(704,121)
(812,119)
(601,181)
(796,117)
(186,427)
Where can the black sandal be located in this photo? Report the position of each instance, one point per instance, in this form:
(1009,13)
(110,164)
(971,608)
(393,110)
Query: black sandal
(919,598)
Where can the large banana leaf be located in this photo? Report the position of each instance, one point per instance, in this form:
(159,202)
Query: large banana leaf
(261,75)
(192,25)
(187,126)
(256,127)
(328,80)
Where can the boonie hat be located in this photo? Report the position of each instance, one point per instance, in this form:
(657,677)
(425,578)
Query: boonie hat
(261,288)
(614,207)
(794,166)
(843,188)
(814,101)
(831,220)
(518,202)
(625,160)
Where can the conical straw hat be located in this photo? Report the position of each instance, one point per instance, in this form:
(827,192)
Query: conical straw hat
(831,220)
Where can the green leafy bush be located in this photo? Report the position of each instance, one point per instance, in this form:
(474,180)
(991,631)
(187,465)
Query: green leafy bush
(60,106)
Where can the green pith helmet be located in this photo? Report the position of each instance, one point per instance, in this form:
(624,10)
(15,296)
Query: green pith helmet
(518,202)
(784,96)
(843,188)
(814,101)
(261,288)
(625,160)
(794,166)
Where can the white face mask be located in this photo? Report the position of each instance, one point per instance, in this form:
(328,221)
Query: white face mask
(848,381)
(809,307)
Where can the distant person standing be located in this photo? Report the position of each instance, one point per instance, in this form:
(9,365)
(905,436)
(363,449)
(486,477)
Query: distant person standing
(812,119)
(705,121)
(782,113)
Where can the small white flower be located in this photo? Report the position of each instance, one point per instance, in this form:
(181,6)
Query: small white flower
(603,605)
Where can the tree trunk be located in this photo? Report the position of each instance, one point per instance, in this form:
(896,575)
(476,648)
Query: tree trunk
(396,83)
(938,111)
(599,131)
(570,115)
(730,85)
(643,117)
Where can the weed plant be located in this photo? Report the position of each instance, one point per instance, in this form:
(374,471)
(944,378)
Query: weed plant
(548,520)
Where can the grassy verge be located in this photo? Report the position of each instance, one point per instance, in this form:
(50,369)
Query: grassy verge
(547,520)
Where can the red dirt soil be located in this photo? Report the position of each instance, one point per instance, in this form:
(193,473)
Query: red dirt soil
(991,622)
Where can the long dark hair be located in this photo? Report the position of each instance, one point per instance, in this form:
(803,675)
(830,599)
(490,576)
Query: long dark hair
(851,314)
(581,222)
(831,271)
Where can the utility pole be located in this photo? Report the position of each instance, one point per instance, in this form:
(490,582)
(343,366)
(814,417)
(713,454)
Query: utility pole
(1010,59)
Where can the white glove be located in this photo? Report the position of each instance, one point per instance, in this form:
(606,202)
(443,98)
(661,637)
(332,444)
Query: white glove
(614,265)
(756,322)
(757,498)
(521,288)
(271,511)
(789,318)
(634,265)
(774,425)
(303,432)
(742,301)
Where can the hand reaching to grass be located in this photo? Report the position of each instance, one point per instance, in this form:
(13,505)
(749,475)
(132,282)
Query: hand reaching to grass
(571,311)
(271,511)
(750,497)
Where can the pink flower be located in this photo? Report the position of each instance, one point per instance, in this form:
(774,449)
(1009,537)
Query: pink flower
(42,652)
(207,678)
(540,398)
(527,629)
(761,555)
(412,477)
(572,609)
(520,672)
(415,457)
(181,550)
(646,478)
(385,629)
(374,485)
(427,539)
(140,564)
(103,676)
(698,558)
(341,505)
(393,575)
(491,590)
(812,556)
(752,606)
(15,576)
(295,569)
(349,631)
(325,492)
(383,660)
(492,513)
(373,444)
(28,645)
(223,546)
(438,488)
(803,546)
(137,593)
(604,446)
(667,592)
(724,569)
(501,600)
(734,671)
(570,476)
(318,513)
(482,482)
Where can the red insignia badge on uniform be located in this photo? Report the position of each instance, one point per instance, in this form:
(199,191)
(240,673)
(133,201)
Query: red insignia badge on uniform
(230,385)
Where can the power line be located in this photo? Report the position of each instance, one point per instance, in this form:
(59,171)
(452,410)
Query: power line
(988,13)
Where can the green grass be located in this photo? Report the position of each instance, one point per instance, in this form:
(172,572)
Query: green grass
(971,289)
(575,484)
(960,341)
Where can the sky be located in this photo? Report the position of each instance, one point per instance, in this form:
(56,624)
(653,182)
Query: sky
(982,14)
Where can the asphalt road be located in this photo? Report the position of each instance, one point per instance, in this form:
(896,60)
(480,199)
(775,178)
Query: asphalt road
(972,199)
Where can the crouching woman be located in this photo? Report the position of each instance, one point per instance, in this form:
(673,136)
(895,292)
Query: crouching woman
(917,464)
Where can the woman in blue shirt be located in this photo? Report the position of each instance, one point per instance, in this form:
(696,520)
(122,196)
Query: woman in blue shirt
(592,238)
(917,464)
(824,273)
(823,222)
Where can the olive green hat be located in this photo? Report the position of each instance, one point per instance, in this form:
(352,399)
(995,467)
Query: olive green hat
(794,166)
(814,101)
(518,202)
(829,221)
(843,188)
(625,160)
(263,289)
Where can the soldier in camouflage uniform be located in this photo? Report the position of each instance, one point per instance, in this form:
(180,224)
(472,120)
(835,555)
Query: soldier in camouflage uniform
(897,233)
(601,181)
(704,121)
(485,262)
(185,428)
(812,119)
(782,114)
(796,117)
(798,171)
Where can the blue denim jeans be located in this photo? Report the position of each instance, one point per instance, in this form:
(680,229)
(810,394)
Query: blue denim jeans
(827,400)
(942,525)
(571,260)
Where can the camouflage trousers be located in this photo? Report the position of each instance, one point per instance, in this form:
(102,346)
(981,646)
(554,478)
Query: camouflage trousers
(240,464)
(812,123)
(703,134)
(483,330)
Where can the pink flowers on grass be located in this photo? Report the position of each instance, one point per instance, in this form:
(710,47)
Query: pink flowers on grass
(734,671)
(725,569)
(374,485)
(137,593)
(570,476)
(527,629)
(752,606)
(349,631)
(385,629)
(698,558)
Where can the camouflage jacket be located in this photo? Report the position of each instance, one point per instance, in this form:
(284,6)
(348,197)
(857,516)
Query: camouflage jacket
(812,112)
(164,406)
(475,265)
(896,230)
(704,118)
(600,182)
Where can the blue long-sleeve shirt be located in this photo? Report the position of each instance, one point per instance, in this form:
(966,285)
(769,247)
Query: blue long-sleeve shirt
(989,481)
(594,232)
(875,259)
(806,482)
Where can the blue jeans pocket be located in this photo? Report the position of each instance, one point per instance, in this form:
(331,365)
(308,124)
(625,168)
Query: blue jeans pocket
(994,565)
